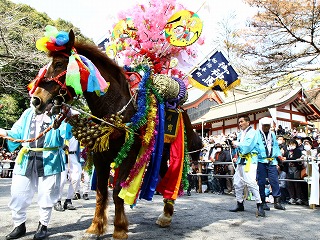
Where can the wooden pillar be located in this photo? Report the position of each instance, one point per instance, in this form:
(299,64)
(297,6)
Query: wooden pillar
(199,178)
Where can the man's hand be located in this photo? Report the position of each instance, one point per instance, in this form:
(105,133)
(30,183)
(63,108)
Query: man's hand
(234,144)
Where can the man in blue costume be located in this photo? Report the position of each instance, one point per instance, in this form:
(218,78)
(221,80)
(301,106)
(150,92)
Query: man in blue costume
(246,159)
(268,152)
(38,169)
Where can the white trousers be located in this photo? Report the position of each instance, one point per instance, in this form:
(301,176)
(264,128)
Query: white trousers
(242,178)
(85,188)
(72,176)
(22,191)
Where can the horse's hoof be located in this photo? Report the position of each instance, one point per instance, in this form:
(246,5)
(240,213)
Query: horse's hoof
(117,235)
(164,221)
(88,236)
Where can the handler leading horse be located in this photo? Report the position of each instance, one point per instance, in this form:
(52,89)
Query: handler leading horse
(55,84)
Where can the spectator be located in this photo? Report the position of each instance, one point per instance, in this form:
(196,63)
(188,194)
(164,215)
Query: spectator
(246,165)
(221,156)
(282,144)
(283,184)
(308,153)
(293,171)
(294,133)
(280,130)
(299,141)
(192,179)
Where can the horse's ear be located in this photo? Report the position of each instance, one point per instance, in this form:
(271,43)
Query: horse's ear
(70,43)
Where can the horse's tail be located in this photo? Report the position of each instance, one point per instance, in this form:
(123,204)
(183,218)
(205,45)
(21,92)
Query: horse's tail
(193,140)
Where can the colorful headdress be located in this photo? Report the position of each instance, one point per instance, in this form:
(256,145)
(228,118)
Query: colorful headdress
(82,75)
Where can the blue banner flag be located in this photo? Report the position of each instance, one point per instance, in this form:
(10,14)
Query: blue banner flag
(216,73)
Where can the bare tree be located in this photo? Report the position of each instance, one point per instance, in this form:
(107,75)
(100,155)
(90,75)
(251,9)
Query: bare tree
(282,41)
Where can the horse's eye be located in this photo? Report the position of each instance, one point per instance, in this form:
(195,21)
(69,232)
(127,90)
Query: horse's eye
(58,65)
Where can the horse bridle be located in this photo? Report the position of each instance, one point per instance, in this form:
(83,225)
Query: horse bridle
(60,98)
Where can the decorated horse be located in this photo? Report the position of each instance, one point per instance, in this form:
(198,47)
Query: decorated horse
(136,123)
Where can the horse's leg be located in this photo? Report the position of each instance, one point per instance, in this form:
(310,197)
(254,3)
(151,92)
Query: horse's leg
(121,222)
(120,219)
(164,220)
(99,222)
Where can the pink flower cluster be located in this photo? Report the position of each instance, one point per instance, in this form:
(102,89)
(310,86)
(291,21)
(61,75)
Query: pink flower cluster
(149,23)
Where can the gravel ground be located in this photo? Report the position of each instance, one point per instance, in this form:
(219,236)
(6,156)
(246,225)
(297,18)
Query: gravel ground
(199,216)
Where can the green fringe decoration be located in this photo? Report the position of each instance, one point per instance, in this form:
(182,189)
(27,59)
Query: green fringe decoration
(123,153)
(185,182)
(88,167)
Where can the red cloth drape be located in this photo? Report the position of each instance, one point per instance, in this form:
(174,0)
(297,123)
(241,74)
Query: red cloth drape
(170,183)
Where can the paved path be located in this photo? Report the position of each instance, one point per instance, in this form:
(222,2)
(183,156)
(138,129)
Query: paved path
(200,216)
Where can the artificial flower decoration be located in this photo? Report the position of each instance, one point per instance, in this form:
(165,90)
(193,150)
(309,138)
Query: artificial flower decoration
(144,31)
(53,40)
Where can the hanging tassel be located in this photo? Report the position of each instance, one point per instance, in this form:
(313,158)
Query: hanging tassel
(103,144)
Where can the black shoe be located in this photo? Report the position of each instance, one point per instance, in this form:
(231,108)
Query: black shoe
(41,232)
(76,196)
(277,204)
(17,232)
(260,211)
(85,196)
(189,193)
(68,205)
(58,206)
(265,206)
(238,208)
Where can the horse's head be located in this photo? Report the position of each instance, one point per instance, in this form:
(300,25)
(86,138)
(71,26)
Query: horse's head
(49,88)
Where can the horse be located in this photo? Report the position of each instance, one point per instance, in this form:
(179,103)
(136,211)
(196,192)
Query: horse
(50,88)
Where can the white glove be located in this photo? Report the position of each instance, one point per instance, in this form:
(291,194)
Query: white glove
(3,132)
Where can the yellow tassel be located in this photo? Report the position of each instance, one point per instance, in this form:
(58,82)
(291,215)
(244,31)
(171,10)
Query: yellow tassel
(103,144)
(198,85)
(233,85)
(22,152)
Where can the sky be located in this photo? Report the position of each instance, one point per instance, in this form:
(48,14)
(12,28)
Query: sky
(96,17)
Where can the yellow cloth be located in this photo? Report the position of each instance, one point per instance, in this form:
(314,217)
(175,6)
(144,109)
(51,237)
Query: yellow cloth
(248,158)
(25,150)
(129,194)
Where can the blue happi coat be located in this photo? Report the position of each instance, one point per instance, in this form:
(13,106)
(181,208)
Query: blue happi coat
(262,153)
(53,160)
(247,146)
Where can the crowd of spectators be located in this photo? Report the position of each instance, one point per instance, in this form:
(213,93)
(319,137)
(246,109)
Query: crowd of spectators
(297,145)
(6,162)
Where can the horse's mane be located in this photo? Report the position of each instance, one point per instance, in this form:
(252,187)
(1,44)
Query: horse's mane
(106,66)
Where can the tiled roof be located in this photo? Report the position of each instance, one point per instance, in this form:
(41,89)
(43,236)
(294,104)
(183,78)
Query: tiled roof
(251,102)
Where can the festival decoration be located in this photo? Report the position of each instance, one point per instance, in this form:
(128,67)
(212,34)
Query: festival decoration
(150,40)
(81,74)
(124,29)
(183,28)
(216,73)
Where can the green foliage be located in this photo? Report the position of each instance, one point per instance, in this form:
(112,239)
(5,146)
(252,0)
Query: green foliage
(20,27)
(9,110)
